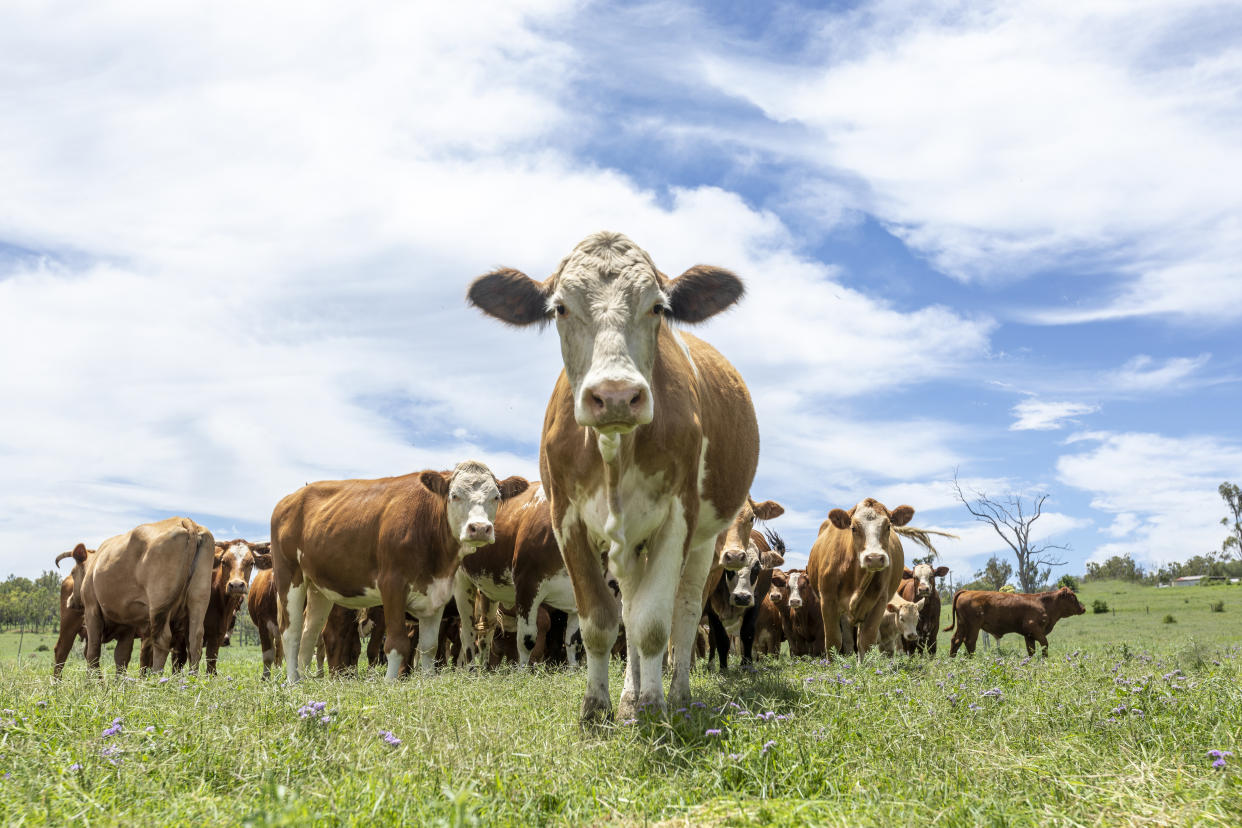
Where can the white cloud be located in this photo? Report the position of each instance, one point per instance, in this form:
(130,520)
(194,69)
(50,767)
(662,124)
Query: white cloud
(1143,373)
(1005,139)
(1161,490)
(1041,415)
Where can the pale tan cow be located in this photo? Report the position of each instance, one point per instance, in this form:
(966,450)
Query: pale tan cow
(855,565)
(900,623)
(141,580)
(649,447)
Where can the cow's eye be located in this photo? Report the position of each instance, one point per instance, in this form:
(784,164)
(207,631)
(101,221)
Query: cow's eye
(561,310)
(659,309)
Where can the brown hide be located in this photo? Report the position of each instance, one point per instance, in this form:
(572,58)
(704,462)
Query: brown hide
(769,626)
(803,626)
(724,616)
(230,576)
(849,595)
(261,604)
(929,617)
(998,613)
(342,644)
(142,580)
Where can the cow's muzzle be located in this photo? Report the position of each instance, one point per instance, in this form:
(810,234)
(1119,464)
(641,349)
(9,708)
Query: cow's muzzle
(616,406)
(795,603)
(742,599)
(478,533)
(874,562)
(237,588)
(733,559)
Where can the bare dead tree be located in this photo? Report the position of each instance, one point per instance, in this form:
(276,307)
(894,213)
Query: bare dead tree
(1012,518)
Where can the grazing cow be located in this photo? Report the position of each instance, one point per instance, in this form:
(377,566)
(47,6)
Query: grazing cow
(1031,616)
(523,569)
(732,608)
(230,579)
(769,626)
(900,623)
(920,583)
(394,541)
(648,451)
(142,580)
(856,565)
(803,621)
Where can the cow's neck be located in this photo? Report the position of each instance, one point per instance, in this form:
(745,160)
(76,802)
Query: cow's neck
(861,594)
(614,527)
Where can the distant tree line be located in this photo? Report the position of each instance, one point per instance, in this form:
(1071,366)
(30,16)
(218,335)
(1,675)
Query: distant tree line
(32,606)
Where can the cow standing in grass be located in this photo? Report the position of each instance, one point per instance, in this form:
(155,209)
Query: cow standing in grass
(1032,616)
(648,451)
(899,624)
(804,623)
(733,607)
(919,584)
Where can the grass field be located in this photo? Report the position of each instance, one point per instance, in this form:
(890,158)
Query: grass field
(1113,728)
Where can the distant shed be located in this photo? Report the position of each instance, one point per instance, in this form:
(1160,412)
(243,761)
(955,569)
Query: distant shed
(1187,580)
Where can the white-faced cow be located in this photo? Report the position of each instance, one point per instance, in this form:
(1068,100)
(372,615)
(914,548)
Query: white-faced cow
(920,584)
(856,565)
(900,623)
(141,581)
(523,570)
(733,607)
(230,578)
(803,621)
(649,447)
(394,541)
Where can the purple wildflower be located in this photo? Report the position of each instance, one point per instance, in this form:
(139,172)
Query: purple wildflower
(768,746)
(995,691)
(974,706)
(389,737)
(712,731)
(1219,756)
(150,728)
(164,680)
(699,705)
(115,727)
(736,757)
(76,766)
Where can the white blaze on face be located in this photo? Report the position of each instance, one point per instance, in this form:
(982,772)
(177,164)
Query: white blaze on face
(236,563)
(471,505)
(870,528)
(608,306)
(795,590)
(925,576)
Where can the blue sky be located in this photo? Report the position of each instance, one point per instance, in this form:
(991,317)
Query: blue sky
(997,239)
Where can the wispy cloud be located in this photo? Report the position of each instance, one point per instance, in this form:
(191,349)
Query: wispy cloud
(1042,415)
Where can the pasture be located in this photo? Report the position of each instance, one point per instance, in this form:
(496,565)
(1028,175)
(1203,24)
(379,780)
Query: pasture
(1113,728)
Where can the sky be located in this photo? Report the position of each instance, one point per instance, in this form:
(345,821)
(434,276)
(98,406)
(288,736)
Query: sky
(996,241)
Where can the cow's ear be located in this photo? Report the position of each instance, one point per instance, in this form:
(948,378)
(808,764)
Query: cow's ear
(779,580)
(262,560)
(510,296)
(891,607)
(767,510)
(771,560)
(79,553)
(702,292)
(941,571)
(219,556)
(907,572)
(902,515)
(839,518)
(436,482)
(513,486)
(919,604)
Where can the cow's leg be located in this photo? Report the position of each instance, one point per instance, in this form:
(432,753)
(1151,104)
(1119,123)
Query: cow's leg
(463,596)
(627,707)
(64,644)
(598,618)
(94,637)
(718,640)
(649,622)
(396,639)
(314,617)
(124,651)
(687,610)
(1030,644)
(572,638)
(266,642)
(429,639)
(832,627)
(294,619)
(869,629)
(212,648)
(956,642)
(749,619)
(972,638)
(526,614)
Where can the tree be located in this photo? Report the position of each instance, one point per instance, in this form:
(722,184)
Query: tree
(995,573)
(1116,568)
(1233,498)
(1012,519)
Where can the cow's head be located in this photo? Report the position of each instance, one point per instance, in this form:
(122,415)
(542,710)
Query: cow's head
(925,577)
(741,582)
(233,563)
(471,494)
(870,525)
(906,614)
(735,541)
(79,554)
(609,302)
(779,593)
(1067,602)
(799,588)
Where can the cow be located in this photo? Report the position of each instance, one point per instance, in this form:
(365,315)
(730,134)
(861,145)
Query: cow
(920,583)
(648,450)
(141,580)
(342,642)
(803,621)
(732,608)
(769,626)
(73,624)
(855,565)
(230,578)
(395,541)
(899,624)
(1032,616)
(261,604)
(522,570)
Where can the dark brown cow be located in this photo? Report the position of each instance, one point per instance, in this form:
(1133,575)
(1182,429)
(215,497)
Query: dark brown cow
(731,609)
(522,570)
(770,626)
(1031,616)
(230,578)
(342,644)
(396,541)
(803,621)
(649,447)
(855,566)
(920,583)
(142,580)
(261,604)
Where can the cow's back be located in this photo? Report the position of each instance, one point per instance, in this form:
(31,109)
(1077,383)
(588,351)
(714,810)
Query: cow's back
(151,568)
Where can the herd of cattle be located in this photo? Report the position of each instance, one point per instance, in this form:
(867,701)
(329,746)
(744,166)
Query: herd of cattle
(639,539)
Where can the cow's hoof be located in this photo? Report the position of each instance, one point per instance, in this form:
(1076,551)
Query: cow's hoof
(627,708)
(652,706)
(595,711)
(678,698)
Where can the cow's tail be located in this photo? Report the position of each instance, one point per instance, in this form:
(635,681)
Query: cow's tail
(952,624)
(202,548)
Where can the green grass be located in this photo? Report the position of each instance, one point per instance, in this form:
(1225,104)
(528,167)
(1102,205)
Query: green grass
(880,742)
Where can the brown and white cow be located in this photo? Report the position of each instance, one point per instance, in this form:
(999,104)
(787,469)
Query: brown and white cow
(856,565)
(523,570)
(920,583)
(395,541)
(261,604)
(649,447)
(769,625)
(731,608)
(230,578)
(141,580)
(803,621)
(899,624)
(1031,616)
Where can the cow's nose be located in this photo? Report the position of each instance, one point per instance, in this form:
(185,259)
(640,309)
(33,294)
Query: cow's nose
(911,636)
(237,587)
(479,531)
(875,562)
(795,602)
(733,559)
(615,401)
(743,599)
(776,597)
